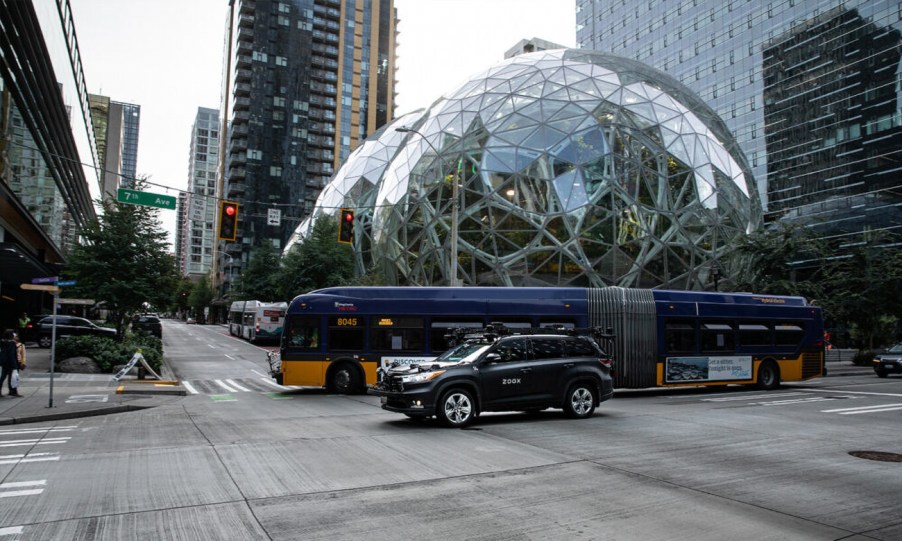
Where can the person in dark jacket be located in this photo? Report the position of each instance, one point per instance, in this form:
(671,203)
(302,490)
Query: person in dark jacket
(9,361)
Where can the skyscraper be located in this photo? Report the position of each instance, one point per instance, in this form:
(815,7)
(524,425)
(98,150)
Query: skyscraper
(116,126)
(809,88)
(198,213)
(305,82)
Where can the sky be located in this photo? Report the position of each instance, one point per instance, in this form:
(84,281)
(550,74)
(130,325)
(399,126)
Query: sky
(166,56)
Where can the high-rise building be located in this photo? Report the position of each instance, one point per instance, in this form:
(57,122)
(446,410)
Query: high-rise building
(116,127)
(195,241)
(809,88)
(305,82)
(48,180)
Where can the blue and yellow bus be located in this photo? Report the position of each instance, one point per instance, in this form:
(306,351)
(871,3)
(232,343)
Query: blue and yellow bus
(338,337)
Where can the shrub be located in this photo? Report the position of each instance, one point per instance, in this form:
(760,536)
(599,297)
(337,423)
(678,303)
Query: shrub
(864,358)
(108,353)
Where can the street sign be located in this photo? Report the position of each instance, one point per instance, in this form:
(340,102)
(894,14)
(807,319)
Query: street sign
(273,217)
(86,302)
(45,280)
(66,283)
(34,287)
(198,208)
(135,197)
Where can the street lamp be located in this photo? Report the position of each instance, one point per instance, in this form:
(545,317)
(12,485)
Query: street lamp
(454,199)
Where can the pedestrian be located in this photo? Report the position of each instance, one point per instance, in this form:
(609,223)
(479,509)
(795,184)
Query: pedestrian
(9,363)
(20,352)
(23,323)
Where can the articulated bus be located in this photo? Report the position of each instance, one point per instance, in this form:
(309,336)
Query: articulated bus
(256,321)
(338,337)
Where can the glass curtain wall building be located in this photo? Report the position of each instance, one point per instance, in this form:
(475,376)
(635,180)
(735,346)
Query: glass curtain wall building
(116,127)
(809,88)
(195,241)
(48,155)
(305,82)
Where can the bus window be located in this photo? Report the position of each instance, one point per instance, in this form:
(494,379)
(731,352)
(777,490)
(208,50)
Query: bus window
(788,334)
(679,337)
(717,336)
(513,323)
(440,328)
(392,333)
(303,332)
(754,334)
(346,333)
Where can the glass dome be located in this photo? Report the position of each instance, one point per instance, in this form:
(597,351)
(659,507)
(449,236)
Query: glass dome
(571,168)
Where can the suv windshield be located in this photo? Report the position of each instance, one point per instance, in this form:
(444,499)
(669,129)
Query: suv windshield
(896,349)
(464,353)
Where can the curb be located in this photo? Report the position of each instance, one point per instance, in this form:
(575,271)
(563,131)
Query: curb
(71,414)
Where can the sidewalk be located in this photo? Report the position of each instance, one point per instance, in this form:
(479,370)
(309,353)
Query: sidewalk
(79,395)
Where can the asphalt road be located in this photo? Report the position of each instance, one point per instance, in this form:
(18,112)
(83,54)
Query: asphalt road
(240,458)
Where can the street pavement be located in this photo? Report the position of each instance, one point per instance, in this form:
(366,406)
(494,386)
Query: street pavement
(71,396)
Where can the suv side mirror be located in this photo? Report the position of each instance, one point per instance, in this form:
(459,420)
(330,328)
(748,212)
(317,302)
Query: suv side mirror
(492,358)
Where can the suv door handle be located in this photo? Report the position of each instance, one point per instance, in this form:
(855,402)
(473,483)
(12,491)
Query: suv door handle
(526,370)
(569,365)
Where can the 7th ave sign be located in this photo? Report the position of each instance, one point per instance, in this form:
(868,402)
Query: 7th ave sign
(135,197)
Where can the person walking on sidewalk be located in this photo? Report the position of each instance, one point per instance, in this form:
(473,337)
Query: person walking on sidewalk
(9,362)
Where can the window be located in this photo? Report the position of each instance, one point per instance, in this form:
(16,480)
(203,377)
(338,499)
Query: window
(580,348)
(679,337)
(512,350)
(788,334)
(278,101)
(275,171)
(547,348)
(253,154)
(392,333)
(717,336)
(301,332)
(346,333)
(754,334)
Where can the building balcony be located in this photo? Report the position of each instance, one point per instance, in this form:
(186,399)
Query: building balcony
(244,47)
(243,61)
(238,145)
(236,189)
(240,129)
(241,89)
(243,76)
(327,12)
(246,35)
(241,104)
(247,7)
(245,21)
(240,116)
(237,173)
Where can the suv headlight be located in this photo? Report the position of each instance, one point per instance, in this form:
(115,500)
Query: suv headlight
(421,377)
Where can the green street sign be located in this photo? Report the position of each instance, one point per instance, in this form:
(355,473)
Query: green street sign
(134,197)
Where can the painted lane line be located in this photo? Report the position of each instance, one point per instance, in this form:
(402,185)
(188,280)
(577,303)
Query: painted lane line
(36,430)
(750,397)
(211,346)
(237,386)
(4,457)
(852,392)
(863,408)
(800,400)
(14,493)
(21,460)
(225,386)
(230,357)
(875,410)
(21,484)
(190,388)
(11,530)
(19,443)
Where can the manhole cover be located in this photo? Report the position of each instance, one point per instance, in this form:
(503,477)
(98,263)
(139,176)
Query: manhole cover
(877,455)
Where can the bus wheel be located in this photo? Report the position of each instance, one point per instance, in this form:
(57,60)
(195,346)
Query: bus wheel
(344,380)
(768,376)
(455,409)
(580,401)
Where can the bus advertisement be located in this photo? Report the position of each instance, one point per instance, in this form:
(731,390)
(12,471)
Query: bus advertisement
(257,321)
(338,337)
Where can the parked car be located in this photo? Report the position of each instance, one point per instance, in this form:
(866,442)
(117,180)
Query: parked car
(507,373)
(69,326)
(148,323)
(30,332)
(889,362)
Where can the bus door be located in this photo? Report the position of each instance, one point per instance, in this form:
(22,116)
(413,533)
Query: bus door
(302,358)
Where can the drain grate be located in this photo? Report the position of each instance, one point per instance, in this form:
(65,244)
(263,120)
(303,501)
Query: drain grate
(877,455)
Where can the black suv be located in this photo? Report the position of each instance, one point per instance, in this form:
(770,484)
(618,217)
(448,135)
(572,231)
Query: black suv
(148,323)
(527,372)
(69,326)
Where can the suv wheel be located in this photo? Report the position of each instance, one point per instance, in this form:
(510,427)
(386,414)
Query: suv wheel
(44,341)
(455,409)
(580,401)
(881,372)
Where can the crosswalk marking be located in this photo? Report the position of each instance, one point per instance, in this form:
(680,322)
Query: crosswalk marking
(225,386)
(5,493)
(11,530)
(865,409)
(20,431)
(42,441)
(237,386)
(190,387)
(30,457)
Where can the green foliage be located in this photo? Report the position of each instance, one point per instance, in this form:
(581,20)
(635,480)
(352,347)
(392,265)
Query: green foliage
(108,353)
(123,261)
(179,301)
(319,261)
(864,357)
(260,280)
(201,297)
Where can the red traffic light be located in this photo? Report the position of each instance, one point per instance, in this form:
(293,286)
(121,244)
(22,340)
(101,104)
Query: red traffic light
(228,220)
(346,227)
(229,210)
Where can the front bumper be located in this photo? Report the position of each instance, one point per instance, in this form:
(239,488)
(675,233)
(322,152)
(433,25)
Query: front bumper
(412,401)
(888,366)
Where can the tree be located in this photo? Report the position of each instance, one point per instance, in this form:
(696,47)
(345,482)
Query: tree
(200,298)
(123,262)
(260,281)
(319,261)
(180,297)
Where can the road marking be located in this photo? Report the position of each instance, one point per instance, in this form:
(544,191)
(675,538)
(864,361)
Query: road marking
(21,484)
(14,493)
(269,381)
(852,392)
(11,530)
(260,374)
(237,386)
(190,388)
(47,441)
(18,431)
(230,357)
(865,409)
(4,493)
(225,386)
(750,397)
(279,396)
(802,400)
(18,459)
(222,398)
(211,346)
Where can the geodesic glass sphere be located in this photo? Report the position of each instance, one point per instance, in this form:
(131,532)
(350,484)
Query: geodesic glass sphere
(564,167)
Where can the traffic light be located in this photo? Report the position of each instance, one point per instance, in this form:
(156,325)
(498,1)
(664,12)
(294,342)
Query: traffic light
(346,226)
(228,220)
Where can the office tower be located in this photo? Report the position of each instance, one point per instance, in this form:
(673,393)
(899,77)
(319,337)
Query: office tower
(305,82)
(196,219)
(116,127)
(47,150)
(809,89)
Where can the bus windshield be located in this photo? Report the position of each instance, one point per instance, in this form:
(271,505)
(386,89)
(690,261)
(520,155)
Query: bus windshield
(464,353)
